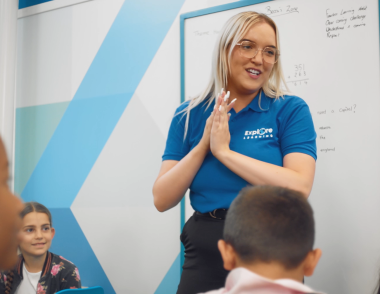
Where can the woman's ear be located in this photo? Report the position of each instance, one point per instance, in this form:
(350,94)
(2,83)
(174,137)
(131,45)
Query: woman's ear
(311,261)
(228,255)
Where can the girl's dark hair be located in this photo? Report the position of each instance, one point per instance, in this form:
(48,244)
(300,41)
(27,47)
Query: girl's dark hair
(36,207)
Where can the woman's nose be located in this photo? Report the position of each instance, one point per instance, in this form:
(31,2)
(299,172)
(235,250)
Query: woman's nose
(258,58)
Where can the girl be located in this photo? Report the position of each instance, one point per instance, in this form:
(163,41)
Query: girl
(38,270)
(217,144)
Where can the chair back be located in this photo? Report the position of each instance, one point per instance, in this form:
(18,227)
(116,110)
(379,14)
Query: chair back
(91,290)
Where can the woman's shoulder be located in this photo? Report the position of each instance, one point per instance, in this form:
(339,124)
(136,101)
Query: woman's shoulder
(181,108)
(200,106)
(196,111)
(289,104)
(290,100)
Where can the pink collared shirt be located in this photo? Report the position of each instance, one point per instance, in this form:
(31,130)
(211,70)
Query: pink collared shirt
(243,281)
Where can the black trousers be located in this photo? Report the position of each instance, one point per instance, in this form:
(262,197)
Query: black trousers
(203,267)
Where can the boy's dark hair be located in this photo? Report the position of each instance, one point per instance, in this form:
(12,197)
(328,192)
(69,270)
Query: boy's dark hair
(270,224)
(36,207)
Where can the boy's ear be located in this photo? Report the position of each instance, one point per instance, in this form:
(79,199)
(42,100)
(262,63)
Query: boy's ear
(311,261)
(228,255)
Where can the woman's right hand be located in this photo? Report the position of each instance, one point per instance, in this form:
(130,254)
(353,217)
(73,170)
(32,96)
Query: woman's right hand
(205,141)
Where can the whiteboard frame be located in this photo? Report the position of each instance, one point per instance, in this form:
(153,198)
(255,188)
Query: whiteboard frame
(196,13)
(47,6)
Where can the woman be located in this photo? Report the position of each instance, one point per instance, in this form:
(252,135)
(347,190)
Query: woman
(217,147)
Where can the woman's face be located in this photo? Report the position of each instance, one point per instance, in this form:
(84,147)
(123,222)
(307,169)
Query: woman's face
(10,221)
(36,234)
(241,79)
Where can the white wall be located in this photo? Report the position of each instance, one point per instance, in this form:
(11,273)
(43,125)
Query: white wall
(8,32)
(136,246)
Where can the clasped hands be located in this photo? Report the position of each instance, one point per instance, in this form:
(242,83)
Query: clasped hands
(216,135)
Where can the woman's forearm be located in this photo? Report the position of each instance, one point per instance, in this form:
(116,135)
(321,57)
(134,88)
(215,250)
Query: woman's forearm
(176,177)
(297,173)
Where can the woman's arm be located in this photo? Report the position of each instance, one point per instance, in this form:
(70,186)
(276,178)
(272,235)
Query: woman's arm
(297,172)
(175,178)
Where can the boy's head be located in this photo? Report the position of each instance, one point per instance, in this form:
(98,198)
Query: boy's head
(270,230)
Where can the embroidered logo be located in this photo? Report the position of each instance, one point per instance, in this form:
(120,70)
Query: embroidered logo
(258,134)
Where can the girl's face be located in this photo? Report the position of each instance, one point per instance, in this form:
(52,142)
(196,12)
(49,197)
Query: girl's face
(36,234)
(241,79)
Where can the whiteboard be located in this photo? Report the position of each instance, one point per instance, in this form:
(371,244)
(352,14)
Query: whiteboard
(330,56)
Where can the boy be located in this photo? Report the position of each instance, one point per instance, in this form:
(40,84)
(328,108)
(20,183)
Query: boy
(268,242)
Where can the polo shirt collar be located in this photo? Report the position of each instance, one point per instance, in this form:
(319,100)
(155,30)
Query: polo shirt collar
(241,280)
(264,103)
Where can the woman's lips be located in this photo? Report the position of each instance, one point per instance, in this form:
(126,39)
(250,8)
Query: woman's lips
(252,75)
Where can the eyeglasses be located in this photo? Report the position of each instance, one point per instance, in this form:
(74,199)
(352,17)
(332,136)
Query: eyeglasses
(250,49)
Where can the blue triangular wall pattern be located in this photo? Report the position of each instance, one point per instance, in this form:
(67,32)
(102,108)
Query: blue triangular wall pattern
(35,125)
(26,3)
(78,249)
(170,283)
(91,116)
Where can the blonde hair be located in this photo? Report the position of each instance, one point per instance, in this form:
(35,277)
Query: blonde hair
(234,29)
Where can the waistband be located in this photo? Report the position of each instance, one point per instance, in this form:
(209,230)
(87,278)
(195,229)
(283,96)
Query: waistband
(220,213)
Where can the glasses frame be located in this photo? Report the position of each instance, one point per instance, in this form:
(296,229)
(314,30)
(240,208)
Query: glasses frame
(262,55)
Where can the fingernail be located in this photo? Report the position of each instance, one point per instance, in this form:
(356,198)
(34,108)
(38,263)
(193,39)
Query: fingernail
(227,96)
(214,106)
(218,95)
(233,101)
(220,107)
(221,91)
(229,114)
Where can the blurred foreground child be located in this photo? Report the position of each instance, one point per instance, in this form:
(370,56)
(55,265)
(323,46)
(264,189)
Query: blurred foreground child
(38,270)
(268,243)
(10,221)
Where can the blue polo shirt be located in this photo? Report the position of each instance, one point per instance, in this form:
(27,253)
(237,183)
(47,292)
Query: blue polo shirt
(266,133)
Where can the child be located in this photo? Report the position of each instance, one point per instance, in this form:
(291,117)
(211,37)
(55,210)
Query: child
(38,270)
(268,242)
(377,291)
(10,221)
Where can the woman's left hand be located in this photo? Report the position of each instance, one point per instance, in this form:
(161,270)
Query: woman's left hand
(220,134)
